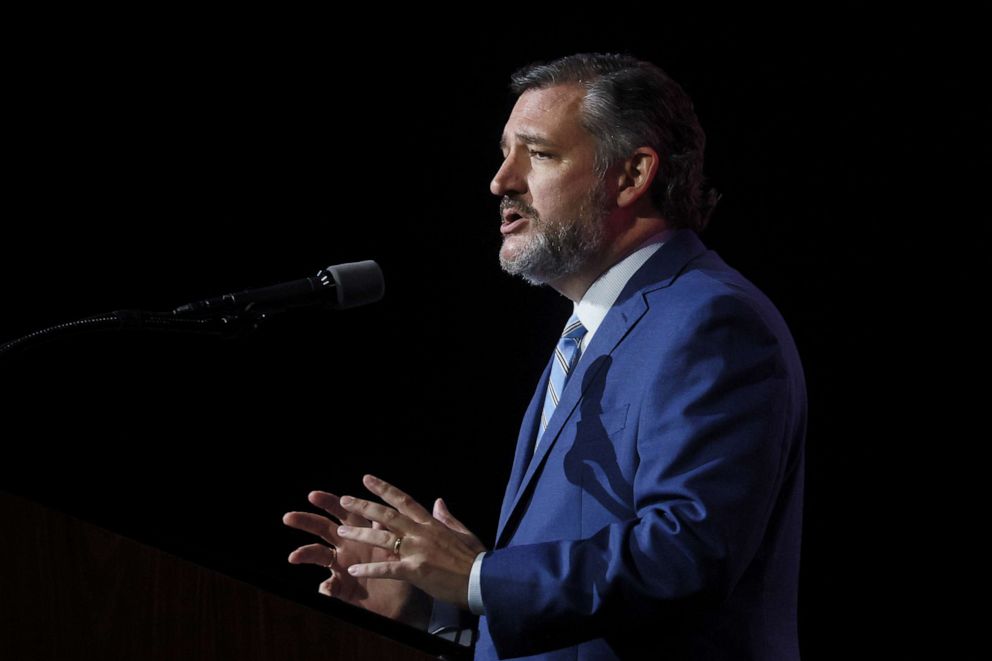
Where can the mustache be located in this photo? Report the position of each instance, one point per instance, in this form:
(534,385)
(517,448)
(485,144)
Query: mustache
(516,206)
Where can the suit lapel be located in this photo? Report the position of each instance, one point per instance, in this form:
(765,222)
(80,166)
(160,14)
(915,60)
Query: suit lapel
(525,445)
(658,272)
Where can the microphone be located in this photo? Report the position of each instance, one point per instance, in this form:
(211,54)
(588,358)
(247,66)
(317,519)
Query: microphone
(342,286)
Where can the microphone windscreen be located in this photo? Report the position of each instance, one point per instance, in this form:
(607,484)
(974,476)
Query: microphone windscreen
(357,283)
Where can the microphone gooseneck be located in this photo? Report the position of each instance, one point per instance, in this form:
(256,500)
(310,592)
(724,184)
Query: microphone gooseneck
(338,287)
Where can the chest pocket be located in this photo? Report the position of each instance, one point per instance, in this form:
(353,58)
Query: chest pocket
(596,426)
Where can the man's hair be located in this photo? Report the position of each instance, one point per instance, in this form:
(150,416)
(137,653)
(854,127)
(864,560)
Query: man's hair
(628,104)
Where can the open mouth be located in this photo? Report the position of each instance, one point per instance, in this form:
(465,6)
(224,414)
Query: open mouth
(511,221)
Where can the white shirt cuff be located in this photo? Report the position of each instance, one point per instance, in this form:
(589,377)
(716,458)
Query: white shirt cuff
(475,586)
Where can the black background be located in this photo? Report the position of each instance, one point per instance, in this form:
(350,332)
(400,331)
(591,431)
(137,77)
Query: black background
(156,159)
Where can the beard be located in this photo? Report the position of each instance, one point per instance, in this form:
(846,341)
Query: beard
(558,246)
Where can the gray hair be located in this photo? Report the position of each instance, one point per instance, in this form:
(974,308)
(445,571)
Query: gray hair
(628,104)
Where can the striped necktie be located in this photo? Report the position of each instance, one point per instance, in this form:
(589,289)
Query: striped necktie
(566,356)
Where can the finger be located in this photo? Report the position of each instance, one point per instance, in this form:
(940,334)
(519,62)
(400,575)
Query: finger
(331,586)
(314,554)
(378,570)
(381,538)
(331,503)
(313,523)
(399,499)
(442,514)
(387,516)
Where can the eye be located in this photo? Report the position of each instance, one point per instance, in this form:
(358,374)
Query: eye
(540,154)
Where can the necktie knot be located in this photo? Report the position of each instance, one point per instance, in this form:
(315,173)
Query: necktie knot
(574,330)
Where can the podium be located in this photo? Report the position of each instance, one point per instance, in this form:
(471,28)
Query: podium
(72,590)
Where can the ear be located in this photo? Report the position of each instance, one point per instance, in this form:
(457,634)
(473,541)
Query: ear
(636,176)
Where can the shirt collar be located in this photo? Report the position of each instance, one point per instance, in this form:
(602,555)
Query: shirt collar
(603,293)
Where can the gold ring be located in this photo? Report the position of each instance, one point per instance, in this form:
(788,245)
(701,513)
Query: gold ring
(396,545)
(334,557)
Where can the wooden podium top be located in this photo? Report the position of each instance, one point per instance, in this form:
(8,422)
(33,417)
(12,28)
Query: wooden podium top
(73,590)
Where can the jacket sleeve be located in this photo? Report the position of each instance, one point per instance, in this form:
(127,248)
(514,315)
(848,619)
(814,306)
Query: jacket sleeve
(714,436)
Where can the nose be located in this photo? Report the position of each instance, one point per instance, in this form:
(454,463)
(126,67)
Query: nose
(509,179)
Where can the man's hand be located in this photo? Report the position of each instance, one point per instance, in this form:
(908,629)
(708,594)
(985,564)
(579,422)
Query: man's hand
(394,599)
(434,553)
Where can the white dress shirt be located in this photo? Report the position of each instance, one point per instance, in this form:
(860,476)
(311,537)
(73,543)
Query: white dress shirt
(591,311)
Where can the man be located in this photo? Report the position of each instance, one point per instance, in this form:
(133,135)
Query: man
(654,505)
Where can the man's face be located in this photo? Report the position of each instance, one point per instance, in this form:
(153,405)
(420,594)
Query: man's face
(553,205)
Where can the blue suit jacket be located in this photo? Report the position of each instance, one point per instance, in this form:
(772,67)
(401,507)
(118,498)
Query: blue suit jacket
(660,517)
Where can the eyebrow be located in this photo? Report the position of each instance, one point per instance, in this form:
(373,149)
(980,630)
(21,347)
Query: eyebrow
(528,139)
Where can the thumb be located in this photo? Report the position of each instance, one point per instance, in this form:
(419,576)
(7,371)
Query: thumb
(442,514)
